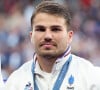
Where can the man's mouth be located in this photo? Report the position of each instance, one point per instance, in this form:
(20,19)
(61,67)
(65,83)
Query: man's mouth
(48,45)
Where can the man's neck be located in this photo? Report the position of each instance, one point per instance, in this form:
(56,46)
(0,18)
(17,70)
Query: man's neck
(46,64)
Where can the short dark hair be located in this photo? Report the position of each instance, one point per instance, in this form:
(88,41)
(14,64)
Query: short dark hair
(53,8)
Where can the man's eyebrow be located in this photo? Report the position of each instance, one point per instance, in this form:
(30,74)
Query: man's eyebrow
(52,26)
(39,26)
(55,26)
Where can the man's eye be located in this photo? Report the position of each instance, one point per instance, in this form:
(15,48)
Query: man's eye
(56,29)
(40,29)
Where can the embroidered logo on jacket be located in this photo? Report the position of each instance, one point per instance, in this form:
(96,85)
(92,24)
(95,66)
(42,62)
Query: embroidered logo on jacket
(70,82)
(28,86)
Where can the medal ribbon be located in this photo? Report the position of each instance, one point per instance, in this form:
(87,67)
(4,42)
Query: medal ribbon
(60,78)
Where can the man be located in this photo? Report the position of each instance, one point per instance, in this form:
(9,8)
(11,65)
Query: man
(53,67)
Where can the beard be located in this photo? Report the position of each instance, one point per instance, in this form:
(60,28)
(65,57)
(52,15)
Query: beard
(49,54)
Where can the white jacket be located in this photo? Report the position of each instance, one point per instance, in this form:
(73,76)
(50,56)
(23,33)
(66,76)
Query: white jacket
(81,75)
(1,79)
(1,82)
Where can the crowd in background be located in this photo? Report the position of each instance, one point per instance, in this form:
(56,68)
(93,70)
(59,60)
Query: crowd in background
(15,46)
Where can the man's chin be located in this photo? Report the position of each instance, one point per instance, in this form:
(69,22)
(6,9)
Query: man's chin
(48,55)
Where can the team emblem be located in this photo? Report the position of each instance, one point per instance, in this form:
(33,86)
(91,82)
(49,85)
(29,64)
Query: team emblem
(28,86)
(70,83)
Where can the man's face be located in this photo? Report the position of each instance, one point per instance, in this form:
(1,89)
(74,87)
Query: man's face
(49,35)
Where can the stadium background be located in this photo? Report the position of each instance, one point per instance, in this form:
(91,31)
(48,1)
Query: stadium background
(15,46)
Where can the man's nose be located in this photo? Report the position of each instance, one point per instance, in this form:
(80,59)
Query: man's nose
(48,35)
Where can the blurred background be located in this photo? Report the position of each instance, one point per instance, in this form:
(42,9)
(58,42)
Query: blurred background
(15,46)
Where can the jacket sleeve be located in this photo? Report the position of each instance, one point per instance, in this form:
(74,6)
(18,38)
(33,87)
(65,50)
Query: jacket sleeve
(95,78)
(11,83)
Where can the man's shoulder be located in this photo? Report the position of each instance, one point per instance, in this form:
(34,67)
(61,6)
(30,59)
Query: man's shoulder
(86,67)
(24,69)
(82,61)
(85,64)
(19,76)
(26,66)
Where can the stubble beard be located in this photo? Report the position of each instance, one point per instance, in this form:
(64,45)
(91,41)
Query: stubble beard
(50,55)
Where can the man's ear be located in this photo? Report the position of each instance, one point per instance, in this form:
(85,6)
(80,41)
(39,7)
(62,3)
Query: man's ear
(70,36)
(30,34)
